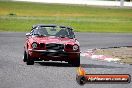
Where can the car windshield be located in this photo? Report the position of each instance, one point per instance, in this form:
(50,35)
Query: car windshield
(53,31)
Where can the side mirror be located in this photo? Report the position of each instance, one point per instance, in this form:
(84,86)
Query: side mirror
(27,34)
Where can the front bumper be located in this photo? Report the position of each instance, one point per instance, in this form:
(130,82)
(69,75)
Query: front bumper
(51,53)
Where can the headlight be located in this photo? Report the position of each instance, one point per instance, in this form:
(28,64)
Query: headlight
(75,47)
(34,45)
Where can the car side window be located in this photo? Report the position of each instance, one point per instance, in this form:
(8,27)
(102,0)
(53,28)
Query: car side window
(34,32)
(31,33)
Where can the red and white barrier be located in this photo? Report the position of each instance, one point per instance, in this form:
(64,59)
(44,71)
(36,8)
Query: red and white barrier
(91,54)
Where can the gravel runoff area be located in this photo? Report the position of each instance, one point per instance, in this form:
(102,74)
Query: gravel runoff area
(123,53)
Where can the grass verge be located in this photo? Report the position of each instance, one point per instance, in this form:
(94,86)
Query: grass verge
(20,16)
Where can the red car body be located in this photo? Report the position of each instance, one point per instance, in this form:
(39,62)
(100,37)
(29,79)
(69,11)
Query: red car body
(56,46)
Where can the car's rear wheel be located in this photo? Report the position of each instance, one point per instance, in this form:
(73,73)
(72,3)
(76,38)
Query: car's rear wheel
(75,62)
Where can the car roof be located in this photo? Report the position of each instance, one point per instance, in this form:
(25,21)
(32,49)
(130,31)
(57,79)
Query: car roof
(49,25)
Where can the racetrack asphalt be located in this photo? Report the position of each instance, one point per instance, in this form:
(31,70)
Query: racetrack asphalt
(14,73)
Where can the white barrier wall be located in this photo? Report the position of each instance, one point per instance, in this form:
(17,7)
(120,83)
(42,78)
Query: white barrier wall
(85,2)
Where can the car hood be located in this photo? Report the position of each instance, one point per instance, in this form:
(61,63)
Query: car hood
(53,39)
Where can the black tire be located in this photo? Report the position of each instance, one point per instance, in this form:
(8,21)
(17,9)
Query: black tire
(29,61)
(76,62)
(25,57)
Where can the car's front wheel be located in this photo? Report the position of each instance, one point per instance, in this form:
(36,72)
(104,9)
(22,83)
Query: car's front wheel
(28,59)
(75,62)
(25,56)
(30,62)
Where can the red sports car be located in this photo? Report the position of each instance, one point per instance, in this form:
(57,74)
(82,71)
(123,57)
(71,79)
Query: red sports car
(51,42)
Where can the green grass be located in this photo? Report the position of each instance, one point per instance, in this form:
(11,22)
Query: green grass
(20,16)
